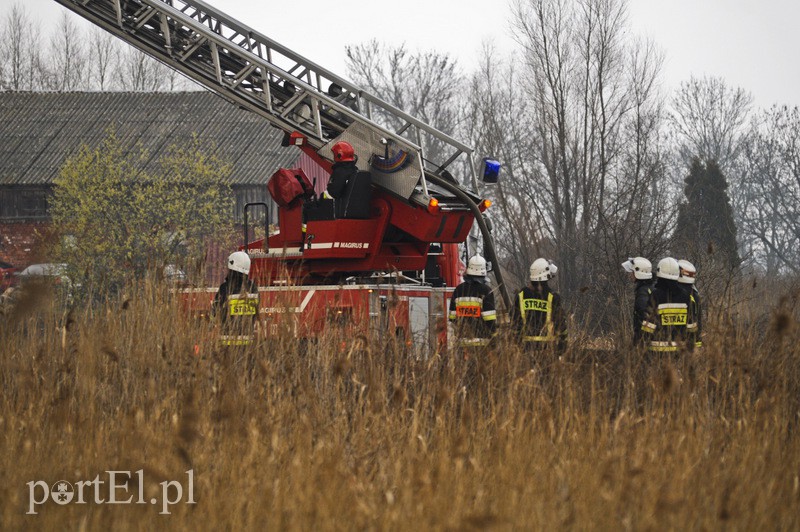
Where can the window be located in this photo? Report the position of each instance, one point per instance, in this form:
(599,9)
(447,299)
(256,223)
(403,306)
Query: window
(24,203)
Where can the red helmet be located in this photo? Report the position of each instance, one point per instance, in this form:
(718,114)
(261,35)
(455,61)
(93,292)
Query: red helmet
(343,152)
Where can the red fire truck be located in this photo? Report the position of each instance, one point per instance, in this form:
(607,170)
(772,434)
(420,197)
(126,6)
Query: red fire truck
(390,272)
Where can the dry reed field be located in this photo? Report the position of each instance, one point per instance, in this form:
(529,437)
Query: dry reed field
(348,434)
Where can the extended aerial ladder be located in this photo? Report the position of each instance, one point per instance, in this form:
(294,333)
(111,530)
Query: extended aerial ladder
(313,106)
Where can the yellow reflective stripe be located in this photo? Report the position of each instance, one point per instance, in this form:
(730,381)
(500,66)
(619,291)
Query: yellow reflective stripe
(252,296)
(548,319)
(493,317)
(235,340)
(538,338)
(453,314)
(470,342)
(667,306)
(698,344)
(664,348)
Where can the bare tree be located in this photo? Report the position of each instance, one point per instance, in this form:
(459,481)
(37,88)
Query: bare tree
(138,72)
(578,123)
(68,56)
(3,59)
(104,54)
(129,69)
(17,49)
(639,211)
(174,80)
(768,192)
(171,77)
(596,118)
(424,84)
(710,120)
(499,124)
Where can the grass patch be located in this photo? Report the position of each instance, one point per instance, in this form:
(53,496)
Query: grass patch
(349,434)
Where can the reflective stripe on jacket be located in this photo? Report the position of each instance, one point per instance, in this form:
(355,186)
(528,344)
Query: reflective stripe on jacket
(538,305)
(670,319)
(473,314)
(238,310)
(538,317)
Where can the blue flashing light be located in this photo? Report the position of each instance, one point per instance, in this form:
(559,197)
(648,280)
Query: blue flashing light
(491,170)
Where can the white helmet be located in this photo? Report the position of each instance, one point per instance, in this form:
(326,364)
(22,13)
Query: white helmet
(640,267)
(476,266)
(668,269)
(543,270)
(239,261)
(687,272)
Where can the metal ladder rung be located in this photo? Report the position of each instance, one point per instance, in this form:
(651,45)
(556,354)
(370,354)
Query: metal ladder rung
(225,55)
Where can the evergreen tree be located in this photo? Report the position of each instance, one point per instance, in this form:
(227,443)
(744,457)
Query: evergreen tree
(705,220)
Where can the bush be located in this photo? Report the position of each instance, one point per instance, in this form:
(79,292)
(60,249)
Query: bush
(117,220)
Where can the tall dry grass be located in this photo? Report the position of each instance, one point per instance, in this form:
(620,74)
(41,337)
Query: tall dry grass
(368,437)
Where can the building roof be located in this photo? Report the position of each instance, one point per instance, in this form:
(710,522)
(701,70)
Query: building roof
(39,130)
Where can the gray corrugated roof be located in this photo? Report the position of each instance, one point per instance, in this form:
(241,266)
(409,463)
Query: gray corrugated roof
(38,131)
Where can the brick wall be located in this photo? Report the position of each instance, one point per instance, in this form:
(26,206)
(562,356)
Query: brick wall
(21,243)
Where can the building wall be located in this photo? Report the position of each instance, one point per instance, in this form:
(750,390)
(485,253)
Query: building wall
(254,194)
(20,242)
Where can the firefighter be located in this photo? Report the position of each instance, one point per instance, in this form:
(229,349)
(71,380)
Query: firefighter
(668,316)
(538,315)
(472,310)
(688,274)
(349,188)
(236,301)
(641,273)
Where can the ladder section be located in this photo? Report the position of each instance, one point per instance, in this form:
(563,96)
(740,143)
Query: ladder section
(259,74)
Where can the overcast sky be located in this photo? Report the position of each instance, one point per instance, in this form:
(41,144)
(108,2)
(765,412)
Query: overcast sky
(751,44)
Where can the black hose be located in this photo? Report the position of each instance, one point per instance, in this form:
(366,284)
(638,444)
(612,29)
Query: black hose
(488,243)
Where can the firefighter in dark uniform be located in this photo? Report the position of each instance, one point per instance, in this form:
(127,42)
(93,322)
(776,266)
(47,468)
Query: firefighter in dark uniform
(687,280)
(538,316)
(641,272)
(349,188)
(669,318)
(236,302)
(472,309)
